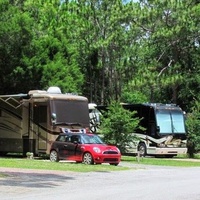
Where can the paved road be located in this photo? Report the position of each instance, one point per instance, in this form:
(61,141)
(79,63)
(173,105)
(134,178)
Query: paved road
(143,183)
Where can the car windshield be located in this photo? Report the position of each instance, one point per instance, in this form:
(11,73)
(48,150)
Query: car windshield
(92,139)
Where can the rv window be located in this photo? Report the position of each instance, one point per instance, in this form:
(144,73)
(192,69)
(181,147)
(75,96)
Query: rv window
(40,114)
(170,121)
(178,122)
(71,111)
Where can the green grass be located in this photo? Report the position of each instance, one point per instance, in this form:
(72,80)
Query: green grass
(44,164)
(63,166)
(179,161)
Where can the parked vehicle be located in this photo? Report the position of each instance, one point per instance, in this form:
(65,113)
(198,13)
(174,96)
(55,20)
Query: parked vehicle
(86,148)
(31,122)
(164,132)
(94,115)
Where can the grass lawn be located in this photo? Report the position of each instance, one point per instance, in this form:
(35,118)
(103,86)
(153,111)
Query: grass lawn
(63,166)
(45,164)
(176,161)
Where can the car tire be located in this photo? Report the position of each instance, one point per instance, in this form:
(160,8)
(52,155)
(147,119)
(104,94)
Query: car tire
(88,159)
(54,156)
(142,150)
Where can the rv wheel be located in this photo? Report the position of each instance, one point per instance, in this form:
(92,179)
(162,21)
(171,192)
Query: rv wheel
(142,150)
(54,156)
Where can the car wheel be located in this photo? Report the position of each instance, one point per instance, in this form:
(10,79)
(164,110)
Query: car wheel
(142,150)
(54,156)
(87,159)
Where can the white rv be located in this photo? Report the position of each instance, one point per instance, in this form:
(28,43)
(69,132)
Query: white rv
(94,115)
(31,122)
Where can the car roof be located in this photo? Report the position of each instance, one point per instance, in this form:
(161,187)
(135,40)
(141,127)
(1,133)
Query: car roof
(65,134)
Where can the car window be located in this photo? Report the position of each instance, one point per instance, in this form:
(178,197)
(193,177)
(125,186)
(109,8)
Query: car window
(92,139)
(75,138)
(68,138)
(61,138)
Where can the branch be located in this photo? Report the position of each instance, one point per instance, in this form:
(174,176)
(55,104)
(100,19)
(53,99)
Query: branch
(169,64)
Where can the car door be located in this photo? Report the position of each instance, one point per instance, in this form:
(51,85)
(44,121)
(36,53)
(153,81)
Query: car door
(61,144)
(74,148)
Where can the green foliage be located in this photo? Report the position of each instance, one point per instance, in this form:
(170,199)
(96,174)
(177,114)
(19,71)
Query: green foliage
(134,52)
(35,50)
(167,48)
(129,96)
(15,39)
(193,126)
(102,49)
(117,126)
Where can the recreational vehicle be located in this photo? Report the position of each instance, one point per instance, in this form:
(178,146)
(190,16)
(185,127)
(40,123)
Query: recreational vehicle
(164,130)
(31,122)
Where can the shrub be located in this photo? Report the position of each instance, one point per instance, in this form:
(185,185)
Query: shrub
(117,126)
(193,128)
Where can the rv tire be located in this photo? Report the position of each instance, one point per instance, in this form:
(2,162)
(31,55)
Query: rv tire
(142,150)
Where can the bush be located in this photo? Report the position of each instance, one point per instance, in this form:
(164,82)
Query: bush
(117,126)
(193,128)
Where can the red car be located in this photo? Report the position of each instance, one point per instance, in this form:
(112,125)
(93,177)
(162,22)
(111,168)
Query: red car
(86,148)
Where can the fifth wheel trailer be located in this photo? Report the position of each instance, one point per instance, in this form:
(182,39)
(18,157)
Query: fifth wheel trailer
(31,122)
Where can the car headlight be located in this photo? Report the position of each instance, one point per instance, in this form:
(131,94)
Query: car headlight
(118,150)
(96,149)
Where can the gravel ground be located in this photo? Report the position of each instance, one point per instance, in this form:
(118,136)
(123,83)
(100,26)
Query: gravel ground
(140,182)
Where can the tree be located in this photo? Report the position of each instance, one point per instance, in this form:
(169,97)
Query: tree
(54,53)
(101,29)
(193,126)
(167,50)
(15,44)
(133,96)
(35,50)
(117,126)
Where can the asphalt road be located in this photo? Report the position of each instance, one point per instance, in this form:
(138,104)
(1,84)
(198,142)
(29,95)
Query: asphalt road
(141,182)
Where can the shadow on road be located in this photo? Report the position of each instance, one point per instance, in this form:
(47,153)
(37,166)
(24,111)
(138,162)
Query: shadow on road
(33,179)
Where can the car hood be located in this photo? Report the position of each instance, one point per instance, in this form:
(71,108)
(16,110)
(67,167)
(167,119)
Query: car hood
(103,146)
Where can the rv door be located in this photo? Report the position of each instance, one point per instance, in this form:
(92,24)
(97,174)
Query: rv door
(40,126)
